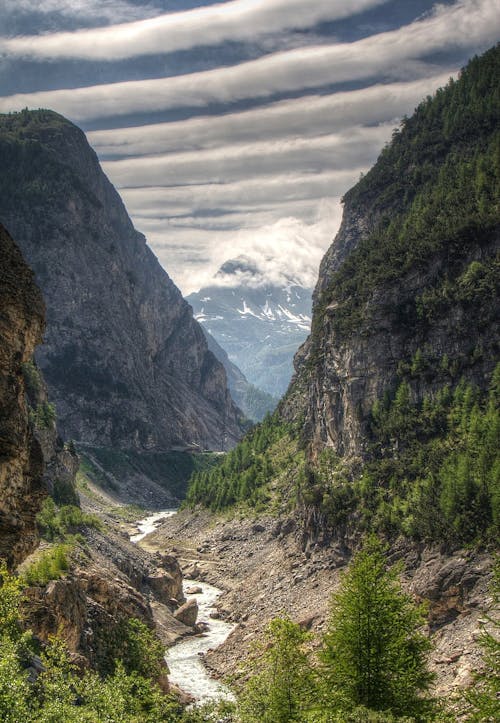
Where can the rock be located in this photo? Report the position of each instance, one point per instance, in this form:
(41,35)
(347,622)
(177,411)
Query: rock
(22,485)
(288,526)
(187,613)
(192,572)
(258,528)
(123,353)
(194,590)
(163,584)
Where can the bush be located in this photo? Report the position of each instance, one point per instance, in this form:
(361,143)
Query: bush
(56,524)
(50,565)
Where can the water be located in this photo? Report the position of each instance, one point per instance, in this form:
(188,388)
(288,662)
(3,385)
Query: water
(184,659)
(149,524)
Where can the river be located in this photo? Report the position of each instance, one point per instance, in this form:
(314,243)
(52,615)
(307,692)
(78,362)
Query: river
(184,659)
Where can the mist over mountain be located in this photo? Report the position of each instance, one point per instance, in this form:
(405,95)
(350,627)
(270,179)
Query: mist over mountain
(260,325)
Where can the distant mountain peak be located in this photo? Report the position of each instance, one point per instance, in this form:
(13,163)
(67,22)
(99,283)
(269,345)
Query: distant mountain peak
(244,271)
(240,265)
(258,322)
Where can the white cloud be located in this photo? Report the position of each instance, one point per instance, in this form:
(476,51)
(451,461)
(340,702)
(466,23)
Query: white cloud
(251,193)
(237,20)
(288,247)
(468,23)
(353,147)
(307,116)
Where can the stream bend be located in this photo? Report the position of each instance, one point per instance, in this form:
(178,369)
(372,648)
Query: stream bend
(185,658)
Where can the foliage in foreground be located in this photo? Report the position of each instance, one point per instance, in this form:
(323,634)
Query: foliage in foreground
(60,692)
(372,665)
(373,652)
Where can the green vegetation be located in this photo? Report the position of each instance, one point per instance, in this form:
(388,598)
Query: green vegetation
(282,684)
(61,527)
(434,192)
(132,643)
(243,475)
(51,564)
(372,665)
(57,523)
(255,403)
(170,470)
(374,654)
(434,472)
(32,379)
(45,415)
(63,693)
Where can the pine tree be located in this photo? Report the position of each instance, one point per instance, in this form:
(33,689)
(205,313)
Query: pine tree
(374,654)
(281,687)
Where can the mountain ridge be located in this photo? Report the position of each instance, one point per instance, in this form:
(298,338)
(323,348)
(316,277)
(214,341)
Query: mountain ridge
(124,360)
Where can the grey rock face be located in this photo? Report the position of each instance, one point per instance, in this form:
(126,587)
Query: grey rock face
(340,376)
(22,486)
(124,360)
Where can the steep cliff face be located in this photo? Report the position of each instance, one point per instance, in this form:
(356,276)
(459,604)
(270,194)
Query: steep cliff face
(22,486)
(125,362)
(407,291)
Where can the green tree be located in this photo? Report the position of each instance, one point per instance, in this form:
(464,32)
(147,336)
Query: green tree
(281,687)
(374,654)
(483,697)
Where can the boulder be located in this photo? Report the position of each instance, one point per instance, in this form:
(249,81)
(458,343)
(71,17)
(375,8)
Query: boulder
(194,590)
(187,613)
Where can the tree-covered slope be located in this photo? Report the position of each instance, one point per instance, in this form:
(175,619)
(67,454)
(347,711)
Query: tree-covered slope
(395,392)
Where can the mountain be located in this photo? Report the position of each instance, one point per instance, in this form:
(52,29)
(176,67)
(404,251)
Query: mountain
(259,324)
(22,321)
(391,425)
(391,422)
(126,364)
(253,402)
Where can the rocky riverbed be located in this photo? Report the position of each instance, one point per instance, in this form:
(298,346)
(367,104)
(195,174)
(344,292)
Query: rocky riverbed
(260,565)
(185,657)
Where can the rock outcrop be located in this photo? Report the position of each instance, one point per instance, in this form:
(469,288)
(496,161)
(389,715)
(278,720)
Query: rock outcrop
(22,486)
(109,582)
(407,289)
(125,362)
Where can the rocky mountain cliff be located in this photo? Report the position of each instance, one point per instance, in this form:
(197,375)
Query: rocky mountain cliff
(407,291)
(392,419)
(125,363)
(252,401)
(22,488)
(258,323)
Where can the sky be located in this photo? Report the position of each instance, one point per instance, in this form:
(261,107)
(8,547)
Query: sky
(235,127)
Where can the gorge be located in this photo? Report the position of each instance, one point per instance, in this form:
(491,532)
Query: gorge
(388,432)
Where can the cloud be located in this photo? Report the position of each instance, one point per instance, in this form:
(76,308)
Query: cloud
(353,147)
(307,116)
(112,11)
(468,23)
(247,194)
(288,247)
(210,25)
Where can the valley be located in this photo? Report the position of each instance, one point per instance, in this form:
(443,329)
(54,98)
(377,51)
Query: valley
(230,508)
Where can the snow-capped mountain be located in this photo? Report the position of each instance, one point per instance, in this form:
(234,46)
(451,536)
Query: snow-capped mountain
(259,324)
